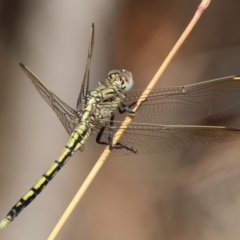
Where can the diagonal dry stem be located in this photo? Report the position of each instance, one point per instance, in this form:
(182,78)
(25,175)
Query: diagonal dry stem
(204,4)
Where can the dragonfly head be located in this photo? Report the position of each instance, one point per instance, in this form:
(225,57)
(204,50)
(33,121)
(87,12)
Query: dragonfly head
(121,79)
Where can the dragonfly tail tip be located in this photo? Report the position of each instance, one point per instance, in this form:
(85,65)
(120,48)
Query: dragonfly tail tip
(4,223)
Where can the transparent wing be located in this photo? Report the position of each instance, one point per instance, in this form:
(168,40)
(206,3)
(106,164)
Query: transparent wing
(85,83)
(184,104)
(150,138)
(66,114)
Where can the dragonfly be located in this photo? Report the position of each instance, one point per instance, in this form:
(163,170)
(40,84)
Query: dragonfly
(160,122)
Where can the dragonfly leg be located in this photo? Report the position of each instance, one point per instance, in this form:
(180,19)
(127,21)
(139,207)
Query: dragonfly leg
(128,108)
(118,145)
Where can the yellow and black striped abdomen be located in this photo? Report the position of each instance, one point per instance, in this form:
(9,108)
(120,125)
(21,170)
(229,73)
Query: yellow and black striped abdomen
(76,140)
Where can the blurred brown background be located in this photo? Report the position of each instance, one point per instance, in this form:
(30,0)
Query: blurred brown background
(189,194)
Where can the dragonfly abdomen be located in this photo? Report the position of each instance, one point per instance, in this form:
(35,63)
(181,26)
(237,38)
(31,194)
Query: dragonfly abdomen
(76,140)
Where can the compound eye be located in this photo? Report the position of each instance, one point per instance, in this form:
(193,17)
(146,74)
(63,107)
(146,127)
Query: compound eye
(113,73)
(125,77)
(123,80)
(126,80)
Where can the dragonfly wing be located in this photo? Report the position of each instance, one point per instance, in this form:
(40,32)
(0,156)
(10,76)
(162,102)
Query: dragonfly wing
(185,104)
(66,114)
(150,138)
(85,83)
